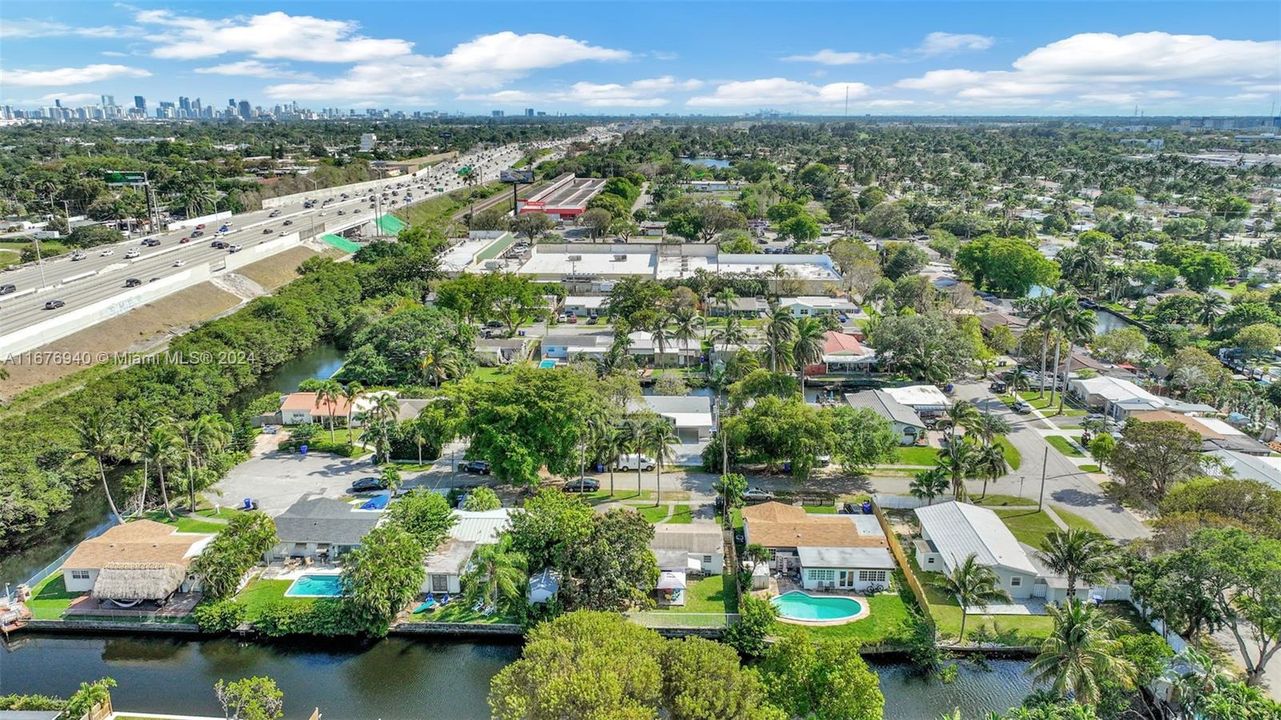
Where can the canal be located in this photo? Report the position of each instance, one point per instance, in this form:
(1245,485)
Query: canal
(88,513)
(392,679)
(710,162)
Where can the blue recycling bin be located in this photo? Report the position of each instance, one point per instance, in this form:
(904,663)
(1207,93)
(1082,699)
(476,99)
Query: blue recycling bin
(867,507)
(600,467)
(302,449)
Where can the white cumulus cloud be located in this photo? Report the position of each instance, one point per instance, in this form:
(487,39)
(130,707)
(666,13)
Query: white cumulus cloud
(252,68)
(26,28)
(68,75)
(650,92)
(270,36)
(934,45)
(941,43)
(777,91)
(827,56)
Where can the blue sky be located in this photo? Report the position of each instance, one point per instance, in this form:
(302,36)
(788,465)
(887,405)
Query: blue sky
(1049,58)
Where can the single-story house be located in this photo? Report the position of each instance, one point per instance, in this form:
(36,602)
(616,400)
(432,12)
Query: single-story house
(1266,470)
(744,307)
(502,351)
(585,305)
(1215,434)
(302,407)
(830,552)
(321,527)
(480,526)
(140,560)
(406,408)
(654,228)
(690,414)
(570,345)
(1119,398)
(907,424)
(643,346)
(816,305)
(842,352)
(924,399)
(952,531)
(698,547)
(446,566)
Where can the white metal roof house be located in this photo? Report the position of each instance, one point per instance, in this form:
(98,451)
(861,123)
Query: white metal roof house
(481,527)
(906,422)
(925,399)
(1242,466)
(691,414)
(812,305)
(570,345)
(698,547)
(952,531)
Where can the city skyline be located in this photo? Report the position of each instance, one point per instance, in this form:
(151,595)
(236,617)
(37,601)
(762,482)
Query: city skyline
(817,59)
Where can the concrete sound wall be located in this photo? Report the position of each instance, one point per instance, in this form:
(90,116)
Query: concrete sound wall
(192,222)
(322,193)
(61,325)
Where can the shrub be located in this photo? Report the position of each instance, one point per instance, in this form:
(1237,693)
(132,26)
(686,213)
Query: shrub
(219,616)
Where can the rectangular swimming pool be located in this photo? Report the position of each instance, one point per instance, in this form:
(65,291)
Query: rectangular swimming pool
(316,586)
(547,364)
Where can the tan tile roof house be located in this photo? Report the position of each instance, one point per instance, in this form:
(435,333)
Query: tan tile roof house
(774,524)
(140,560)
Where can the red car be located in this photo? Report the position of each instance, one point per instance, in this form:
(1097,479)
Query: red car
(201,226)
(184,240)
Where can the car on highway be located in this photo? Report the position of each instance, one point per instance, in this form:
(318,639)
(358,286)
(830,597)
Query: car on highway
(201,226)
(218,245)
(133,253)
(288,222)
(107,253)
(197,233)
(582,484)
(8,289)
(266,231)
(179,263)
(132,282)
(342,212)
(53,304)
(274,213)
(233,248)
(185,240)
(283,233)
(77,256)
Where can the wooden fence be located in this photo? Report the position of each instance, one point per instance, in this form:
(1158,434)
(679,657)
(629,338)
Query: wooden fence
(904,562)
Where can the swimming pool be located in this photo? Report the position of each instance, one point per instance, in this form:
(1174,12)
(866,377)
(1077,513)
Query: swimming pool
(796,605)
(316,586)
(547,364)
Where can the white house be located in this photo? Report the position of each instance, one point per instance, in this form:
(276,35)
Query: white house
(1119,398)
(831,552)
(907,424)
(585,305)
(924,399)
(570,345)
(690,414)
(1242,466)
(140,560)
(698,547)
(816,305)
(952,531)
(446,565)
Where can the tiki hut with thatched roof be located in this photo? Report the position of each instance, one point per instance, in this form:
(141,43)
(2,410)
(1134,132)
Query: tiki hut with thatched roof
(140,560)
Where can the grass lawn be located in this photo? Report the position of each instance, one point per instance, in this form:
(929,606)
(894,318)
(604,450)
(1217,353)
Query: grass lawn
(736,518)
(1043,404)
(260,593)
(1074,520)
(712,594)
(488,374)
(50,599)
(186,524)
(653,513)
(820,509)
(459,611)
(222,513)
(947,616)
(886,614)
(1012,455)
(1091,468)
(1029,526)
(681,515)
(916,455)
(1061,444)
(994,500)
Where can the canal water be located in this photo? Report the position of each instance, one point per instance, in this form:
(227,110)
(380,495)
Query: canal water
(88,514)
(706,162)
(1105,321)
(392,679)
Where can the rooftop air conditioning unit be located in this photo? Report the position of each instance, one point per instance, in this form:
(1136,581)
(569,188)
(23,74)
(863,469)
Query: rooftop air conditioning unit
(575,258)
(620,257)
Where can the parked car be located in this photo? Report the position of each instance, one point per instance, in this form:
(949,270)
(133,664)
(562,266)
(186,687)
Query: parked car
(997,386)
(368,484)
(1021,407)
(53,304)
(631,462)
(757,495)
(582,484)
(476,467)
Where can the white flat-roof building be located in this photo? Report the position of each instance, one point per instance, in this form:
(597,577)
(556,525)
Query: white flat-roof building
(585,305)
(814,305)
(1264,469)
(924,399)
(690,414)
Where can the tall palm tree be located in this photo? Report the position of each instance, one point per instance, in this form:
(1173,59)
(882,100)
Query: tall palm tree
(972,584)
(1080,555)
(636,440)
(384,411)
(731,333)
(1061,308)
(959,463)
(439,364)
(780,328)
(987,427)
(471,179)
(1211,305)
(686,324)
(1078,328)
(990,463)
(1040,316)
(350,393)
(777,273)
(201,438)
(328,394)
(726,297)
(962,414)
(95,439)
(499,575)
(929,484)
(164,450)
(1081,652)
(136,431)
(807,348)
(611,442)
(660,436)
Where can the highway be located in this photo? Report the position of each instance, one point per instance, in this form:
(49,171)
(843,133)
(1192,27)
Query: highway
(103,271)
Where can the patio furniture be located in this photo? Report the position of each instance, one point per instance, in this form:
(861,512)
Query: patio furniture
(444,600)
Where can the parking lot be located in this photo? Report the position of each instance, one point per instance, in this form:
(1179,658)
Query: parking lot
(278,479)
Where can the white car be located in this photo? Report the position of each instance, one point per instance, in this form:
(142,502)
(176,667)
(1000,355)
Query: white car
(133,253)
(179,263)
(630,462)
(107,253)
(77,256)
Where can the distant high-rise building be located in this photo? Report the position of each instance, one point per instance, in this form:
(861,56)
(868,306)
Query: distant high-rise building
(231,102)
(184,103)
(140,102)
(529,112)
(108,101)
(246,112)
(496,113)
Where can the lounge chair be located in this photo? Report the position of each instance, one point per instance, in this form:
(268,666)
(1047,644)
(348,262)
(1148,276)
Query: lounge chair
(428,603)
(444,599)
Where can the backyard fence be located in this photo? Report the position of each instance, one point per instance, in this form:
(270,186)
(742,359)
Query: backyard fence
(896,549)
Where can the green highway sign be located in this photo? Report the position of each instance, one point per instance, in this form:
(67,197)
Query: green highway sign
(120,177)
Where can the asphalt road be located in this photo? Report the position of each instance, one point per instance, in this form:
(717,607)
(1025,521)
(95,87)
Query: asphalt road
(104,270)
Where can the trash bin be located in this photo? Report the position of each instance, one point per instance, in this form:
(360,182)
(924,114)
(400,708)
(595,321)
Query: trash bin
(867,507)
(600,467)
(302,449)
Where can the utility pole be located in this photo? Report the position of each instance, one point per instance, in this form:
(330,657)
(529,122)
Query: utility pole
(1040,501)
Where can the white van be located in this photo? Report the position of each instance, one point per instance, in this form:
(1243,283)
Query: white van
(630,462)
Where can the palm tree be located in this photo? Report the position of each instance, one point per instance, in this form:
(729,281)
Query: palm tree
(611,442)
(635,439)
(686,324)
(163,449)
(470,179)
(731,333)
(1039,315)
(499,575)
(726,297)
(1081,652)
(963,414)
(1080,555)
(990,463)
(1060,309)
(779,329)
(987,427)
(1078,328)
(929,484)
(327,394)
(660,436)
(959,462)
(351,392)
(95,438)
(1211,305)
(661,336)
(201,438)
(972,584)
(438,365)
(778,272)
(138,425)
(383,413)
(807,349)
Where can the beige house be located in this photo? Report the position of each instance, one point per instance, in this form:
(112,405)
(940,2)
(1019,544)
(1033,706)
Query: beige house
(140,560)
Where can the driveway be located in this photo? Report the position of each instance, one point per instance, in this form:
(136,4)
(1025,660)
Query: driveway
(278,479)
(1065,484)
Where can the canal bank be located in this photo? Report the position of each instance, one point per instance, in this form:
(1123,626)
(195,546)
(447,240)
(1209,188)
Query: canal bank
(395,678)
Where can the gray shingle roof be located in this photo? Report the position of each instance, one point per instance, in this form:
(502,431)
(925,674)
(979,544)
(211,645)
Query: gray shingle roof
(887,407)
(324,520)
